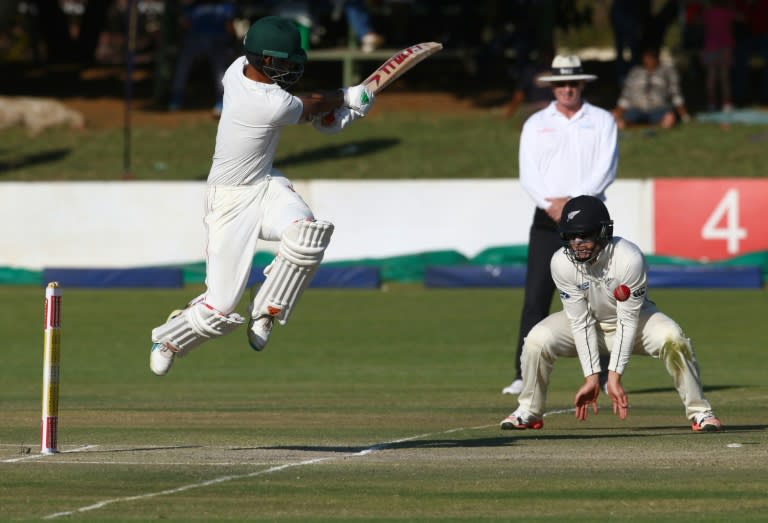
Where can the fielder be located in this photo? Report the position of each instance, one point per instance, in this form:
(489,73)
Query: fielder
(587,272)
(248,199)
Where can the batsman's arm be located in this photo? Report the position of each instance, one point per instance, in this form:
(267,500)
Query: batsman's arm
(317,104)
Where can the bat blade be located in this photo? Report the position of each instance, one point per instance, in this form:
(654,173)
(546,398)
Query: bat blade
(398,64)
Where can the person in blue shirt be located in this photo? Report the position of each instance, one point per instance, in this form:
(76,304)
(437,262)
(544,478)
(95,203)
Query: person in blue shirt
(209,34)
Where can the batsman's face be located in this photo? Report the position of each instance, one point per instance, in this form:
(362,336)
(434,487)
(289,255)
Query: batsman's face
(568,94)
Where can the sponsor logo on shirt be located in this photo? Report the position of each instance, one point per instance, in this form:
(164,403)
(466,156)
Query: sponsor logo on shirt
(564,295)
(638,292)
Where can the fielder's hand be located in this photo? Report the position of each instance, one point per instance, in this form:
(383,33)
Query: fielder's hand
(586,396)
(618,395)
(359,99)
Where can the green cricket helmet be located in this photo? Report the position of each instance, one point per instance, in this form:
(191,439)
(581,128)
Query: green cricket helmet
(278,38)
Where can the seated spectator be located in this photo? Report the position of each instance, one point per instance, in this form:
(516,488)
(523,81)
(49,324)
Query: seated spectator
(358,19)
(528,89)
(651,94)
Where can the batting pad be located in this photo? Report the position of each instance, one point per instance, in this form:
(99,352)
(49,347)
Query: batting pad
(196,324)
(298,256)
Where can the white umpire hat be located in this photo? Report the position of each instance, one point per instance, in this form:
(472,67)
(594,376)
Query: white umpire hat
(567,68)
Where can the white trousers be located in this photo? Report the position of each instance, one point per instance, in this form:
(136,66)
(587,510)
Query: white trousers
(236,218)
(552,338)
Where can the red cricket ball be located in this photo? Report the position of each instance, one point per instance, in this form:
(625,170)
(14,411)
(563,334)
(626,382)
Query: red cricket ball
(621,292)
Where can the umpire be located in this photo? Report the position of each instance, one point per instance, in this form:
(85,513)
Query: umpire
(567,149)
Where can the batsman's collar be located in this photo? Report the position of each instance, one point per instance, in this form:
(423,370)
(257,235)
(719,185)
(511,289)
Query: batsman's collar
(567,68)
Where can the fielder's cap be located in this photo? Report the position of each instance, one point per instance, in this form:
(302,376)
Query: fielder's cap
(567,68)
(275,36)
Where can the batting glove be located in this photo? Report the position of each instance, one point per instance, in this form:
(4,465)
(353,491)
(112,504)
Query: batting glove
(335,121)
(358,98)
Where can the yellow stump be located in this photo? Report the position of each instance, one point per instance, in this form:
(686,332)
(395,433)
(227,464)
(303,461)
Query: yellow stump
(51,348)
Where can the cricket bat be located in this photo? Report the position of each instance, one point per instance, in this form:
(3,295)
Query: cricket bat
(395,67)
(398,64)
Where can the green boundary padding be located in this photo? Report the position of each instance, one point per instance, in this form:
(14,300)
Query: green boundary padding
(13,276)
(410,268)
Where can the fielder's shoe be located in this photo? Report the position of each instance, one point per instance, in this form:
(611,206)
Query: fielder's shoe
(705,422)
(515,388)
(520,420)
(161,356)
(259,330)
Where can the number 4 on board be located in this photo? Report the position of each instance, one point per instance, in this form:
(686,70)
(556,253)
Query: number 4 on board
(727,210)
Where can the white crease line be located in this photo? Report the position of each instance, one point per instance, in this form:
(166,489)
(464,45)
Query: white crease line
(31,457)
(223,479)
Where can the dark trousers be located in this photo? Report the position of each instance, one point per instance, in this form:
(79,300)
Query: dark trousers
(543,242)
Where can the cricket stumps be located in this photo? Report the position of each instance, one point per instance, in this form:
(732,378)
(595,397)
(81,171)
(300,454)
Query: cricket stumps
(51,352)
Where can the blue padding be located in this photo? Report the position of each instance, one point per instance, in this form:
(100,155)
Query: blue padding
(704,277)
(141,277)
(353,277)
(475,276)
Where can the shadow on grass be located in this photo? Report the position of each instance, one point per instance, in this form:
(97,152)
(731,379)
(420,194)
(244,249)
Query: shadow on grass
(512,437)
(144,449)
(712,388)
(420,444)
(334,152)
(33,159)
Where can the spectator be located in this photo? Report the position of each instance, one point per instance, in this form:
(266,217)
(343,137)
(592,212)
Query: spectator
(358,18)
(628,21)
(651,94)
(568,148)
(528,88)
(603,281)
(753,40)
(209,34)
(717,55)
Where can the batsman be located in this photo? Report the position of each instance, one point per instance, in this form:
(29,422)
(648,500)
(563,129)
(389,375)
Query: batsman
(249,200)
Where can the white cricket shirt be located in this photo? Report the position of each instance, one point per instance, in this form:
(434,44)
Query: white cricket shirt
(249,128)
(568,157)
(586,291)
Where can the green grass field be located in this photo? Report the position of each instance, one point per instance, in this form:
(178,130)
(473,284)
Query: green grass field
(462,145)
(370,405)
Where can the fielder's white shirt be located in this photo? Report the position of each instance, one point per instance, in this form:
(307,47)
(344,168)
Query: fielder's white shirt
(568,157)
(586,291)
(249,127)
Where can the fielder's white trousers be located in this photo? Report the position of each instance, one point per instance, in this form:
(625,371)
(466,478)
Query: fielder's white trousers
(552,338)
(236,218)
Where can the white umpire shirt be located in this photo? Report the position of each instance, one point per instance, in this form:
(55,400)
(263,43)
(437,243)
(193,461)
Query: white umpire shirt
(249,128)
(586,291)
(562,157)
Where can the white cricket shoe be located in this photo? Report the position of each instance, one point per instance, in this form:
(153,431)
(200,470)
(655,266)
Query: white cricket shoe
(160,355)
(521,419)
(516,387)
(706,422)
(161,359)
(259,330)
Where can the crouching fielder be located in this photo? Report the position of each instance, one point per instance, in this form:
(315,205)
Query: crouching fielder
(602,282)
(248,199)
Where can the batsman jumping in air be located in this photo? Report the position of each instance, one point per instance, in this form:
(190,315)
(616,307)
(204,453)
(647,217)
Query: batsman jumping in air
(602,281)
(249,200)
